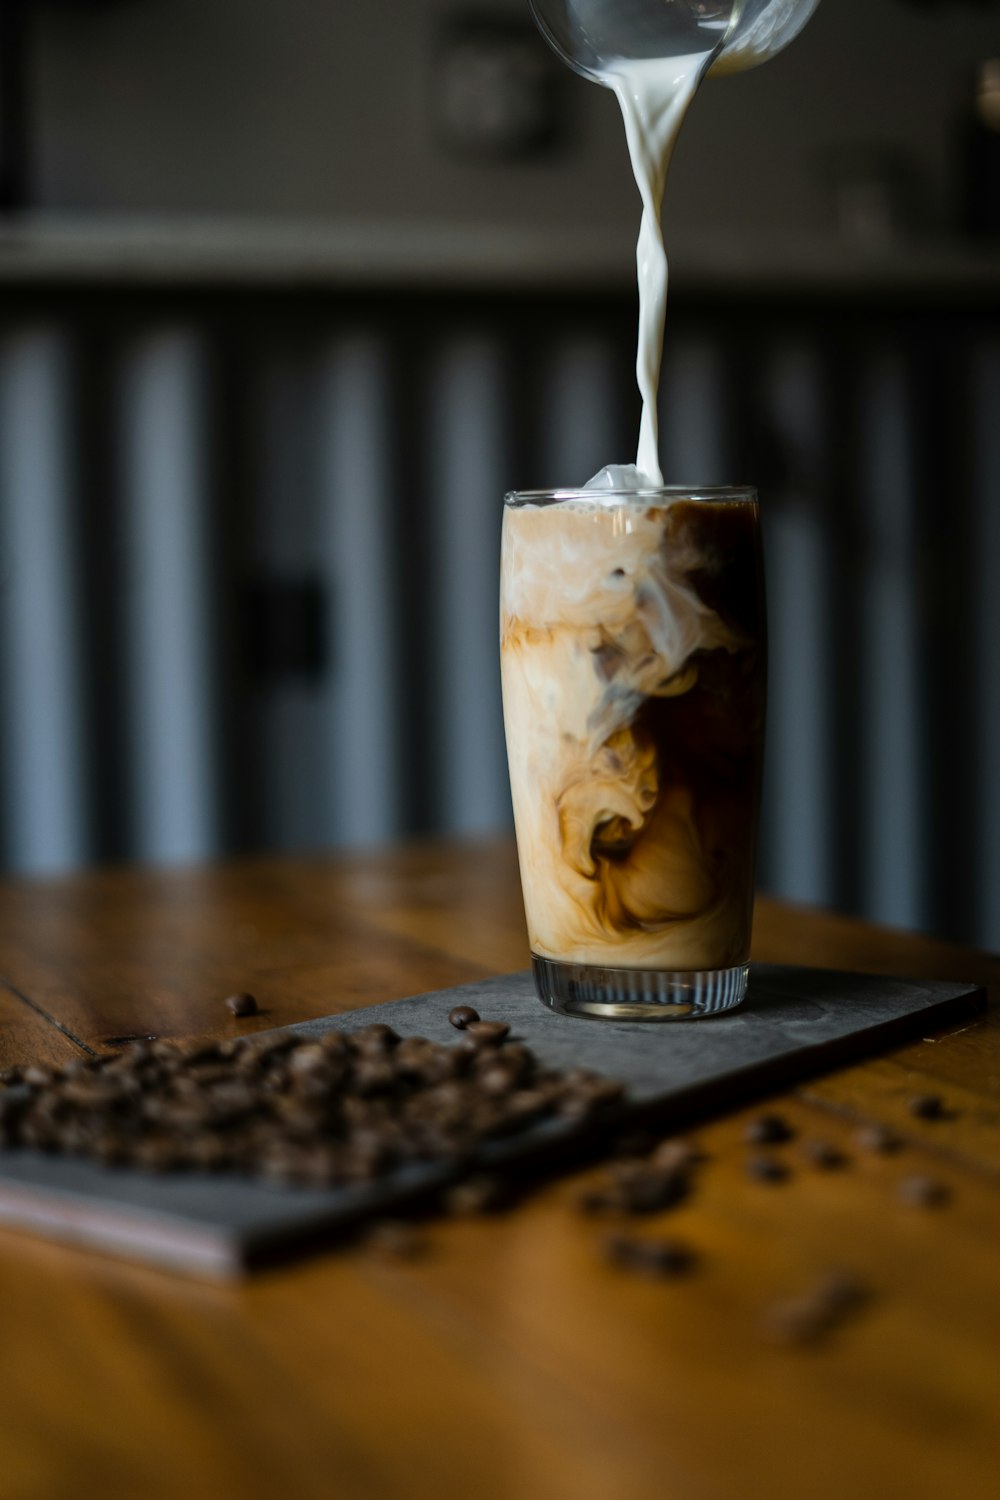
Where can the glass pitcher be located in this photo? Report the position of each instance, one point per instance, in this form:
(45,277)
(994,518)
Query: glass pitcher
(592,35)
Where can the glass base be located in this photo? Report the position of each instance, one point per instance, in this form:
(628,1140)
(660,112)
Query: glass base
(637,994)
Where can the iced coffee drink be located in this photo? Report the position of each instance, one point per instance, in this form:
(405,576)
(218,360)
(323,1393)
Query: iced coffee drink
(633,663)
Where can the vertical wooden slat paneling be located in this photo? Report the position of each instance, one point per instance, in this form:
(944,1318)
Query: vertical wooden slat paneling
(695,440)
(44,758)
(167,616)
(356,502)
(468,478)
(797,804)
(579,427)
(891,815)
(286,549)
(986,503)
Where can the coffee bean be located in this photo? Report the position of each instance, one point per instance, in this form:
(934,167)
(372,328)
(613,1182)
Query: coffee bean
(272,1045)
(396,1239)
(835,1298)
(878,1138)
(584,1096)
(11,1076)
(927,1107)
(334,1044)
(476,1195)
(841,1291)
(658,1191)
(377,1038)
(242,1004)
(924,1192)
(374,1076)
(307,1060)
(497,1080)
(634,1143)
(487,1033)
(526,1105)
(601,1201)
(91,1092)
(155,1154)
(638,1186)
(677,1156)
(602,1092)
(766,1169)
(649,1257)
(37,1077)
(823,1154)
(797,1321)
(768,1130)
(462,1016)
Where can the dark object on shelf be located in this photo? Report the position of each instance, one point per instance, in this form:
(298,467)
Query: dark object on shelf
(286,629)
(13,104)
(979,209)
(495,88)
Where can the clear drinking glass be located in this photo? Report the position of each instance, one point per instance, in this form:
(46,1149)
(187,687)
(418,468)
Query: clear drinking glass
(633,658)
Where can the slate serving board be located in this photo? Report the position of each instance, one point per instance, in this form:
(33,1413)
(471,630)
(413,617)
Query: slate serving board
(795,1023)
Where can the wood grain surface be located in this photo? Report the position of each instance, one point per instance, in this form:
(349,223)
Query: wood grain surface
(512,1360)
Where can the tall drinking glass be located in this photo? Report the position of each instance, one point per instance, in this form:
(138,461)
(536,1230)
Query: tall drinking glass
(633,658)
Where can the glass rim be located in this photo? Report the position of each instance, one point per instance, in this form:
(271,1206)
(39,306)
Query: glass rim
(709,494)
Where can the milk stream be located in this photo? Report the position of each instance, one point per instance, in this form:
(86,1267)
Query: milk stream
(654,95)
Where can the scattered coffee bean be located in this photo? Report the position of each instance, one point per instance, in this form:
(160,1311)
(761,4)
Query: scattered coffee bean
(36,1076)
(11,1076)
(640,1185)
(924,1192)
(878,1138)
(396,1239)
(476,1195)
(634,1143)
(242,1004)
(768,1130)
(842,1291)
(461,1016)
(677,1156)
(487,1033)
(649,1257)
(766,1169)
(823,1154)
(927,1107)
(836,1298)
(600,1201)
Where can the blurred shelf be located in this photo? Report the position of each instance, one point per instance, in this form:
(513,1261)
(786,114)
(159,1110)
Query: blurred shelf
(39,252)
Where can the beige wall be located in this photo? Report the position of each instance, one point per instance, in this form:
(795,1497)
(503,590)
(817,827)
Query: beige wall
(319,108)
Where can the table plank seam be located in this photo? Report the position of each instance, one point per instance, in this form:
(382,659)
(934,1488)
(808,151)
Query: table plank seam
(46,1016)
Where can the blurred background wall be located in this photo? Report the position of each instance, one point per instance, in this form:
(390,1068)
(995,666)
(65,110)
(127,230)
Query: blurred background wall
(309,108)
(290,294)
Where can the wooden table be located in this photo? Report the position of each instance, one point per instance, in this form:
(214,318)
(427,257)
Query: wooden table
(511,1361)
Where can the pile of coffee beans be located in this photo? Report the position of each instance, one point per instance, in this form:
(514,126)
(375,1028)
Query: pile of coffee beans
(335,1109)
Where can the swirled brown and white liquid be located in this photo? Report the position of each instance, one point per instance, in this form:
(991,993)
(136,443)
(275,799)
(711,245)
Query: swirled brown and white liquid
(633,665)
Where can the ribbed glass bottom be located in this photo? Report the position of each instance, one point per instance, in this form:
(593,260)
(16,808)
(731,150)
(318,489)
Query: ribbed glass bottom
(637,994)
